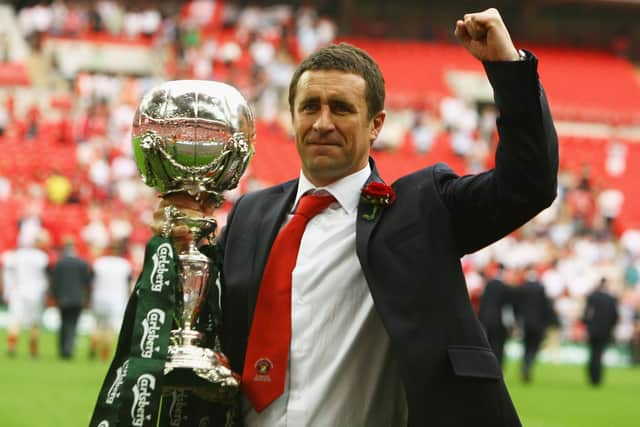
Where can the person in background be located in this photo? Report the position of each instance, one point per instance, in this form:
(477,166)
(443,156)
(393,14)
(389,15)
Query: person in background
(70,287)
(5,262)
(27,276)
(600,316)
(109,295)
(536,313)
(496,312)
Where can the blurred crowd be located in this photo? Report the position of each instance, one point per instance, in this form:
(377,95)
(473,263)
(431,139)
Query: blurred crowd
(71,131)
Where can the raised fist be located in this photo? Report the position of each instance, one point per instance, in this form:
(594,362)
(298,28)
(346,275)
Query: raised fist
(486,37)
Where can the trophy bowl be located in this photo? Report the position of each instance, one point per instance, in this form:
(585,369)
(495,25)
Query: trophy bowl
(196,137)
(193,135)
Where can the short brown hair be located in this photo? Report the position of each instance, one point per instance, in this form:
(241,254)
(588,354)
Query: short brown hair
(350,59)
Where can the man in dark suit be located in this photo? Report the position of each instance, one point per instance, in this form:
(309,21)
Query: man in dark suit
(382,330)
(70,285)
(496,308)
(600,317)
(535,311)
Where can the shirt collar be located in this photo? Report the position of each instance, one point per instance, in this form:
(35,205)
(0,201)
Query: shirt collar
(346,190)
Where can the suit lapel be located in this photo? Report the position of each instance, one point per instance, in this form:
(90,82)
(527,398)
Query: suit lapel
(365,227)
(275,211)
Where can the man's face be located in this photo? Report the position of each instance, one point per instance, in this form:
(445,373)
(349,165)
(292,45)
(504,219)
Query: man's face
(333,133)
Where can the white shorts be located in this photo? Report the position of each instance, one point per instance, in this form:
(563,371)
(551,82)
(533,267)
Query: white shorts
(25,310)
(108,314)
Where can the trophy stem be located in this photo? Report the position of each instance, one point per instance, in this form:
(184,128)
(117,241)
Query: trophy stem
(185,354)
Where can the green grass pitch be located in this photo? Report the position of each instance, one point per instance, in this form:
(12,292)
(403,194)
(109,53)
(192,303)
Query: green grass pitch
(49,392)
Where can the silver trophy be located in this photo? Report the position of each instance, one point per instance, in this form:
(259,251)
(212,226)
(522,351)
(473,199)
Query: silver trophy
(195,137)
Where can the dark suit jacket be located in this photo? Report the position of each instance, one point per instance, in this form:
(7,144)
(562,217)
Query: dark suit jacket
(534,308)
(410,256)
(495,297)
(600,314)
(71,281)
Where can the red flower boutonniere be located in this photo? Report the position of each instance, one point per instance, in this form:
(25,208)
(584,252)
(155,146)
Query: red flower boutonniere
(378,195)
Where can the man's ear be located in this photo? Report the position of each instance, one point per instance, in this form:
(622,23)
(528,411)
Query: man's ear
(376,125)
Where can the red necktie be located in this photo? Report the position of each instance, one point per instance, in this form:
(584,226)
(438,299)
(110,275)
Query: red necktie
(265,363)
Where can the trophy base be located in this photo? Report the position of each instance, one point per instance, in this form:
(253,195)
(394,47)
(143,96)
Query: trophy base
(197,370)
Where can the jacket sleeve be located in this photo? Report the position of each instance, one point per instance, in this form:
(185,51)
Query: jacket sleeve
(487,206)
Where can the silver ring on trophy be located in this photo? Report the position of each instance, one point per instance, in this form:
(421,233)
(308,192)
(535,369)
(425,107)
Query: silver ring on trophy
(195,137)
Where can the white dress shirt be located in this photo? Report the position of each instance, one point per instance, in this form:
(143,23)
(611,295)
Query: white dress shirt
(340,370)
